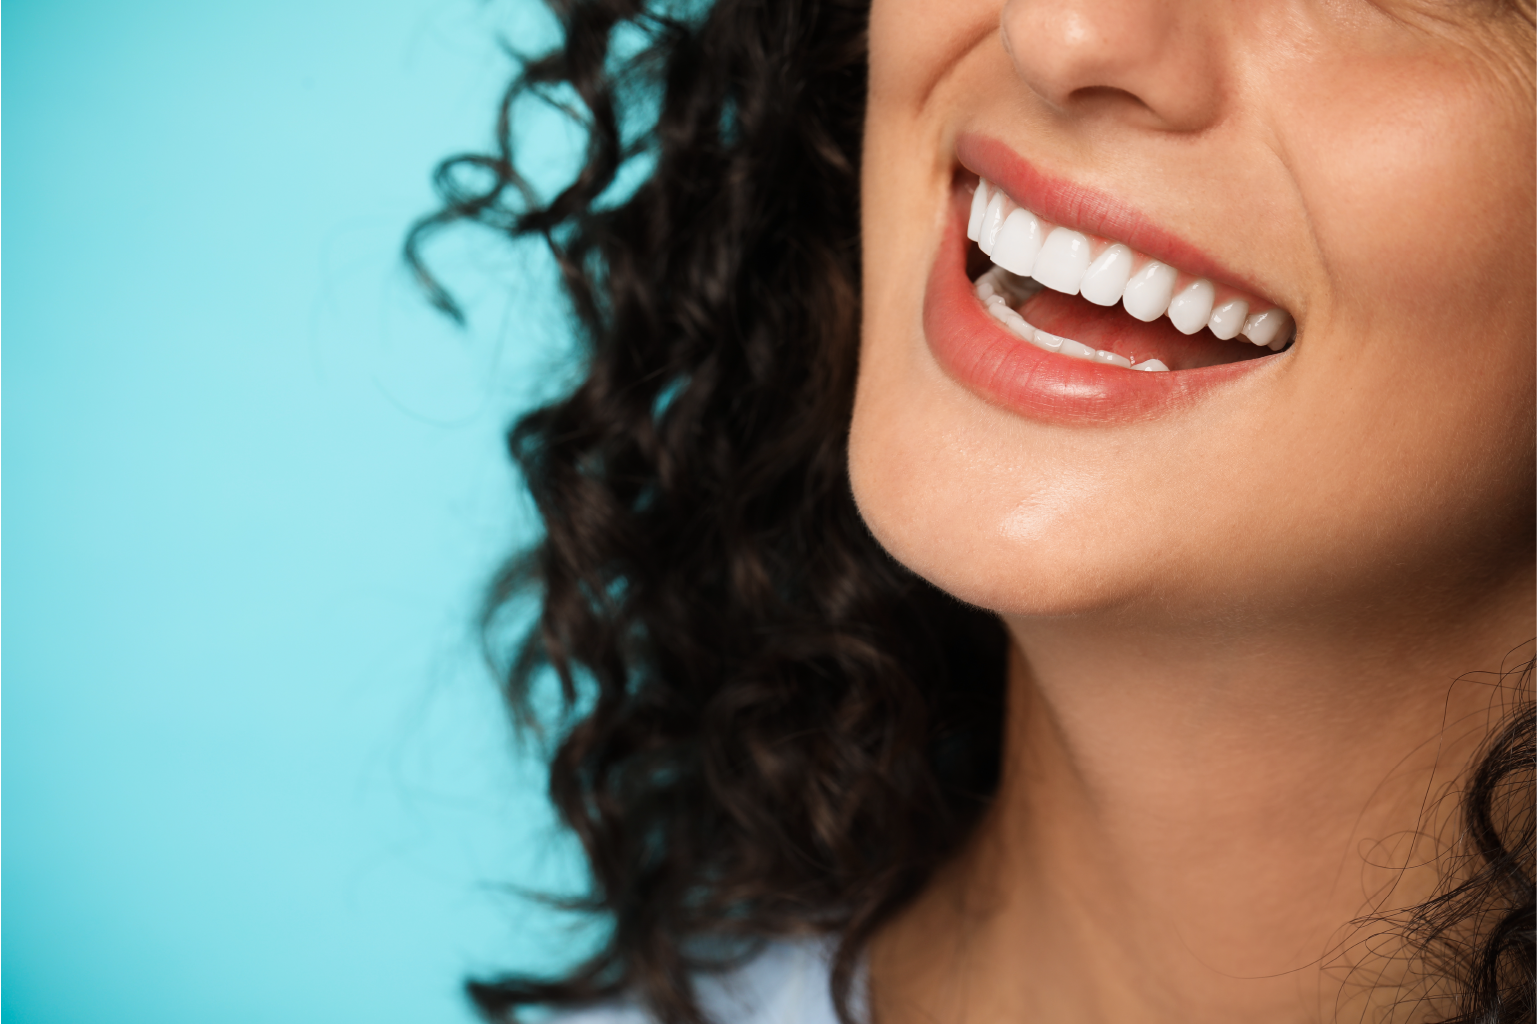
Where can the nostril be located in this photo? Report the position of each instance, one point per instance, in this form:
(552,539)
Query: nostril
(1102,96)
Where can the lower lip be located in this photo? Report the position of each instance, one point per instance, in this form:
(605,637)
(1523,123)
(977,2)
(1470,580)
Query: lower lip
(987,360)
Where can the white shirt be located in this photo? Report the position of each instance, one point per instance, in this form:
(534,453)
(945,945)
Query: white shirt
(788,981)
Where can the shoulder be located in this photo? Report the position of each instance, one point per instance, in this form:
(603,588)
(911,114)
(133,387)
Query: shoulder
(787,981)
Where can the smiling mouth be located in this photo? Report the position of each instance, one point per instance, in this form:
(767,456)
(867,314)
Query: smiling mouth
(1098,300)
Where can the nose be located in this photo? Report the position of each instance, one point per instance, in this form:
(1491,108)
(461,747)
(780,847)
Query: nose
(1154,62)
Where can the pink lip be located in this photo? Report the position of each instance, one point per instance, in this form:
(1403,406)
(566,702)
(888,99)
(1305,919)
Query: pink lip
(986,359)
(1084,209)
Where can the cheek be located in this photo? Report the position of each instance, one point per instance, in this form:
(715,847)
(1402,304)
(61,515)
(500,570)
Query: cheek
(1421,191)
(914,43)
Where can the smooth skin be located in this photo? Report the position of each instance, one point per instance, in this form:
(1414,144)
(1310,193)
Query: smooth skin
(1236,625)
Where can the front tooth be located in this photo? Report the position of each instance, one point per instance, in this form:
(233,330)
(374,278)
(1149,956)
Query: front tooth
(1063,259)
(1018,242)
(1262,328)
(1149,291)
(1227,320)
(1150,364)
(1106,277)
(1191,309)
(992,220)
(978,208)
(1113,358)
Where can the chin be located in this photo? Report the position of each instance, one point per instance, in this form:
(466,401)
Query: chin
(987,541)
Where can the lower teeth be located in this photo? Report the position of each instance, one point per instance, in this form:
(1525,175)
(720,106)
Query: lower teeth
(990,289)
(1001,291)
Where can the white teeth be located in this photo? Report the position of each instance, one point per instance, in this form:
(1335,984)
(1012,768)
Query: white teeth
(1149,291)
(1013,321)
(1106,277)
(1011,288)
(1077,350)
(1012,237)
(1018,242)
(1192,307)
(1264,328)
(1020,326)
(978,208)
(997,306)
(992,219)
(1227,320)
(1063,259)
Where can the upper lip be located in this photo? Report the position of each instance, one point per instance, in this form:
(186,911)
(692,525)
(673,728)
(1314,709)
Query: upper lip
(1081,208)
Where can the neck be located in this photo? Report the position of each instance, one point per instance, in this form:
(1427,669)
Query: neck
(1192,824)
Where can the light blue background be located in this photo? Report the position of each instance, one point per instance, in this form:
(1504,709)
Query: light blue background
(253,768)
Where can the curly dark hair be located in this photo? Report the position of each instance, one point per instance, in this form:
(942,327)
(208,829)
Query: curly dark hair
(781,730)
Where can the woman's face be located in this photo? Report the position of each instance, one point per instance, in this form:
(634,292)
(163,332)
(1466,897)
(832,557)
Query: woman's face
(1364,168)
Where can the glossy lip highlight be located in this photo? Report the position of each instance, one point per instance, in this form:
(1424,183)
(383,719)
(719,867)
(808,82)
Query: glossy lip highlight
(986,359)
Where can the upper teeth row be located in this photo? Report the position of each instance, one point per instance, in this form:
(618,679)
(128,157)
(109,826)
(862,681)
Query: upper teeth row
(1060,258)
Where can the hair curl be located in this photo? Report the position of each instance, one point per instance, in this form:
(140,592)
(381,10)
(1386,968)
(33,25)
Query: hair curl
(782,730)
(1474,943)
